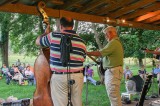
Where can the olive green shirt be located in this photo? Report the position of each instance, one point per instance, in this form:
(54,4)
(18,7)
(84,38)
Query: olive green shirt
(112,54)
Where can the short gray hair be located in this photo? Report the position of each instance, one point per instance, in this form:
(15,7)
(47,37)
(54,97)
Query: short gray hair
(111,28)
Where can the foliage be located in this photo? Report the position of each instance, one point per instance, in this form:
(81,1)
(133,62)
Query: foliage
(86,31)
(134,40)
(89,40)
(23,30)
(23,34)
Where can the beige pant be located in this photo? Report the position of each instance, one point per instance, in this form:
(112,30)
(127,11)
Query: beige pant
(18,77)
(59,89)
(112,82)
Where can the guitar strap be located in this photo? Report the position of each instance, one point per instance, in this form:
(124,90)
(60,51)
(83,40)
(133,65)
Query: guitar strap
(145,90)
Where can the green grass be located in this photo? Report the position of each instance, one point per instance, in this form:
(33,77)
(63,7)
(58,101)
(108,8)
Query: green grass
(15,90)
(97,95)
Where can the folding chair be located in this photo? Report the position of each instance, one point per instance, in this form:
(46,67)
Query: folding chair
(25,102)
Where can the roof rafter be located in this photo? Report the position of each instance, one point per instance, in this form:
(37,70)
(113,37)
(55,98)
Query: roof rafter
(130,8)
(157,22)
(149,15)
(140,12)
(70,3)
(92,5)
(58,2)
(153,19)
(24,9)
(112,7)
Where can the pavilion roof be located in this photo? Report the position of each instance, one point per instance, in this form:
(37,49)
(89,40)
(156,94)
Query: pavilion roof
(143,14)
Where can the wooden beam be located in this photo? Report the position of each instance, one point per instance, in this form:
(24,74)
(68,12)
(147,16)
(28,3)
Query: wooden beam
(112,7)
(100,19)
(157,22)
(153,19)
(70,3)
(61,4)
(92,5)
(139,12)
(57,2)
(2,2)
(24,9)
(131,7)
(149,15)
(82,17)
(77,5)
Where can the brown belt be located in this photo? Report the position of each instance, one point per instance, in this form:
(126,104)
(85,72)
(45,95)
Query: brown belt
(111,67)
(55,72)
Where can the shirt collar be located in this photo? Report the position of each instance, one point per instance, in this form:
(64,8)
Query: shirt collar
(70,31)
(116,38)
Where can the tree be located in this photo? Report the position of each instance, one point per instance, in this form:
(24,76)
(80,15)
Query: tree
(134,40)
(92,34)
(22,30)
(25,30)
(5,29)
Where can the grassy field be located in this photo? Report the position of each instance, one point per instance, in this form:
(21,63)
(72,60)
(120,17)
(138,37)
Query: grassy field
(97,95)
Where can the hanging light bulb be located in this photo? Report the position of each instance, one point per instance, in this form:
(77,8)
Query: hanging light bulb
(123,20)
(107,19)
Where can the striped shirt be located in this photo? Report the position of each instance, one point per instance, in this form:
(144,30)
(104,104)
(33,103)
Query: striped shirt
(77,55)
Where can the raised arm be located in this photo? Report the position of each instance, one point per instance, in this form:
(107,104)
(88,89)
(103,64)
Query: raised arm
(153,52)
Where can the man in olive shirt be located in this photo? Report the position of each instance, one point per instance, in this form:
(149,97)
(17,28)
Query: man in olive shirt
(112,55)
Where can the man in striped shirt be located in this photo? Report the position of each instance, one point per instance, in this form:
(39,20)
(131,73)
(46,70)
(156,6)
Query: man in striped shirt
(59,81)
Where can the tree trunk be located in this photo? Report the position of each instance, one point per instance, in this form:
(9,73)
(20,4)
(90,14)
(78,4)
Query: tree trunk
(4,49)
(5,38)
(153,63)
(58,24)
(100,46)
(140,62)
(76,25)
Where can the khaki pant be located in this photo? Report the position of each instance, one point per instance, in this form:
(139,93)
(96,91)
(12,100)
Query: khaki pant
(112,82)
(18,77)
(59,89)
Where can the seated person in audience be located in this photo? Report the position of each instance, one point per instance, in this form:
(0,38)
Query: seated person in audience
(90,74)
(8,77)
(127,73)
(31,68)
(11,70)
(6,73)
(156,71)
(142,72)
(29,73)
(4,69)
(22,68)
(17,76)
